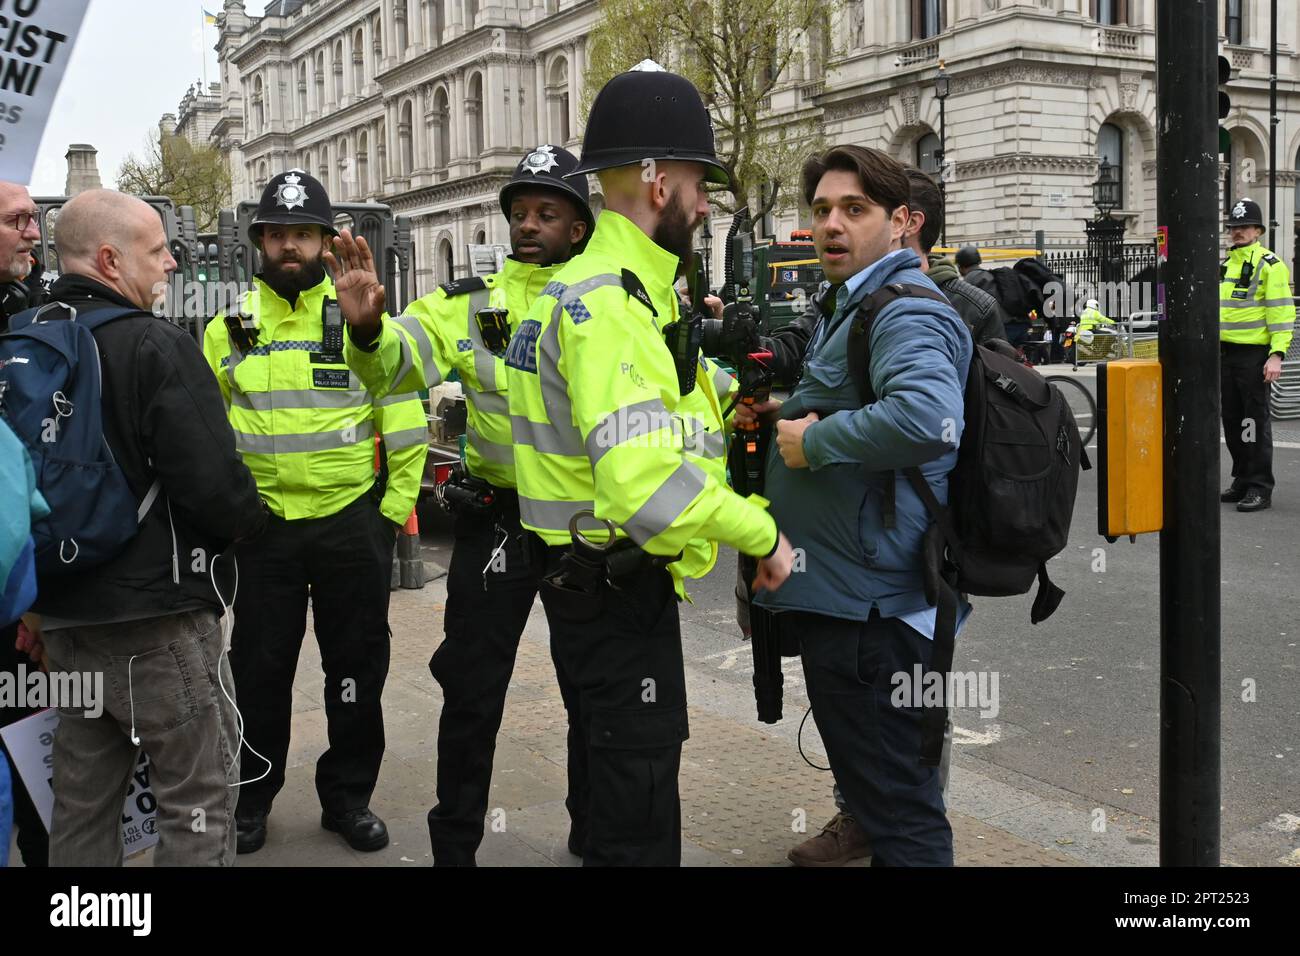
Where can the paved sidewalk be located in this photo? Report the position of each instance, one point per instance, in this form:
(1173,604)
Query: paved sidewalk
(743,790)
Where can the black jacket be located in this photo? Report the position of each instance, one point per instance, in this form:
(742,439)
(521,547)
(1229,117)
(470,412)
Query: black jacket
(163,418)
(977,308)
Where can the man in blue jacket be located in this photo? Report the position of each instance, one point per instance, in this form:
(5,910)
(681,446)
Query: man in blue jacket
(859,603)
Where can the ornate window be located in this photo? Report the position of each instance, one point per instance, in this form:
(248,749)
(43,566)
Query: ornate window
(1110,147)
(1110,13)
(929,18)
(1235,26)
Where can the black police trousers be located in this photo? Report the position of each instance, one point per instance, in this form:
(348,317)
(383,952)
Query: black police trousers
(496,570)
(874,746)
(618,654)
(1244,397)
(344,563)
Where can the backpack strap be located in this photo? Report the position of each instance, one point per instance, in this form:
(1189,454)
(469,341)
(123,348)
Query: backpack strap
(859,354)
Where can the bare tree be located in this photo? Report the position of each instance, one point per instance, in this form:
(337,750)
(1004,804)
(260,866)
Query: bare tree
(187,175)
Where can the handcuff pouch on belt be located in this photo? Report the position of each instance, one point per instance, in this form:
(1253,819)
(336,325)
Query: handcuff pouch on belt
(588,566)
(462,492)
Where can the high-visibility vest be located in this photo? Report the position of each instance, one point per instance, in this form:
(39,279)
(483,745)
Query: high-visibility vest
(303,423)
(599,422)
(1092,318)
(439,334)
(1255,299)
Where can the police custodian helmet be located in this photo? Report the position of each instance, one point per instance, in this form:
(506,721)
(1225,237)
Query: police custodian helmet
(545,167)
(1246,212)
(649,113)
(293,198)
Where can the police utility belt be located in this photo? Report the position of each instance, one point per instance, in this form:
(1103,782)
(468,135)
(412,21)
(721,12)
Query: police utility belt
(462,493)
(588,566)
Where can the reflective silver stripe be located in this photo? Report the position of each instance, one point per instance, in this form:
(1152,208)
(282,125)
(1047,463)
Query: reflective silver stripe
(663,507)
(707,444)
(335,398)
(546,439)
(396,399)
(489,450)
(1252,304)
(1276,303)
(552,515)
(423,345)
(1284,324)
(1232,326)
(406,438)
(316,441)
(629,422)
(485,363)
(490,403)
(722,381)
(576,291)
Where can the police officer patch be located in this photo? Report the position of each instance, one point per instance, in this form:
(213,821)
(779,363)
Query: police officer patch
(289,193)
(540,160)
(1239,210)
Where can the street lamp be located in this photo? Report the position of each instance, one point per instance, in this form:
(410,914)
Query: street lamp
(942,88)
(1105,191)
(1106,234)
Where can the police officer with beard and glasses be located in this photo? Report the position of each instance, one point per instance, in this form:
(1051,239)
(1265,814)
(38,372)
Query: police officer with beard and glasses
(493,579)
(620,450)
(306,429)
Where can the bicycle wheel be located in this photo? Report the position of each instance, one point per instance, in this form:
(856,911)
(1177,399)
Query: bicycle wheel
(1081,403)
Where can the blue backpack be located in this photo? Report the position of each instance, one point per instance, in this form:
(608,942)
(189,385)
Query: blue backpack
(50,389)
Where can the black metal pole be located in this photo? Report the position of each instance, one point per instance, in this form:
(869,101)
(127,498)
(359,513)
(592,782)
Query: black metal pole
(943,168)
(1272,130)
(1187,189)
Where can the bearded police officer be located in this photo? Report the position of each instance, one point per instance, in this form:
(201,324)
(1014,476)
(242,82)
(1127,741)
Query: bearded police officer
(1256,319)
(619,459)
(493,579)
(306,429)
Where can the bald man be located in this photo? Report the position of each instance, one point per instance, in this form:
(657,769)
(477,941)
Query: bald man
(148,621)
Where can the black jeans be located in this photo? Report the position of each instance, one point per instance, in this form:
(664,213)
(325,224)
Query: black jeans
(344,562)
(1244,397)
(495,574)
(618,655)
(33,841)
(874,747)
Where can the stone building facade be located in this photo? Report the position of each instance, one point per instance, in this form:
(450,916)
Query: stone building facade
(428,104)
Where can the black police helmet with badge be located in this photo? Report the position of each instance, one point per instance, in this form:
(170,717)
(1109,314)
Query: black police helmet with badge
(1245,212)
(649,113)
(291,199)
(545,167)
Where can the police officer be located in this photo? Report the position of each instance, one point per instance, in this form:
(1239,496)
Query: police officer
(619,459)
(305,427)
(1256,318)
(464,326)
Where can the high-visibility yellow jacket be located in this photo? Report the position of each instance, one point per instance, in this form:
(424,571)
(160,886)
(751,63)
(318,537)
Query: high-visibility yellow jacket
(1255,299)
(303,423)
(1091,318)
(598,419)
(439,333)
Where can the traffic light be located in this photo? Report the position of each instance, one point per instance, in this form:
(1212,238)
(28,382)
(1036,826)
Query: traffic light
(1225,102)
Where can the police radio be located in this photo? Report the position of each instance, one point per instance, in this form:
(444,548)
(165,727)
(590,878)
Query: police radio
(685,336)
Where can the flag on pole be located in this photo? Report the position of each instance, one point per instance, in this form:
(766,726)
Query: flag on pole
(208,17)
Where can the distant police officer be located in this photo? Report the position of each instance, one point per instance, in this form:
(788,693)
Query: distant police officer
(305,428)
(493,579)
(1256,318)
(619,458)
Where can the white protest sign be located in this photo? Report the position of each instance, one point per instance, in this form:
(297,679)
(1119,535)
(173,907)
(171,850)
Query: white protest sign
(36,40)
(31,745)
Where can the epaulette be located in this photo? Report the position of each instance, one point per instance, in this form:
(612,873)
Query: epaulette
(463,286)
(636,290)
(1270,258)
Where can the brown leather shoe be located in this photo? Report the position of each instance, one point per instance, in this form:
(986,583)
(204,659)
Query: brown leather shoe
(840,841)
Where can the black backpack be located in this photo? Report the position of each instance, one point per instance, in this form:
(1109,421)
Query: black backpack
(1011,494)
(1017,295)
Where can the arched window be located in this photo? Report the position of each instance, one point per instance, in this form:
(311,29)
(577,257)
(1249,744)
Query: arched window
(381,150)
(320,79)
(440,130)
(358,62)
(557,95)
(377,32)
(324,175)
(480,238)
(259,109)
(446,262)
(1110,147)
(261,175)
(347,174)
(927,154)
(404,141)
(302,91)
(399,17)
(437,21)
(338,72)
(363,164)
(474,109)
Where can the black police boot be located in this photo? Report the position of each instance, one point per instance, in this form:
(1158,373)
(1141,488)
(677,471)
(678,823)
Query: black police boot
(1232,494)
(1254,501)
(362,829)
(250,831)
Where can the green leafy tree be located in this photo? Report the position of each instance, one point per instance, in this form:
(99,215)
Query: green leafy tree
(188,175)
(737,53)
